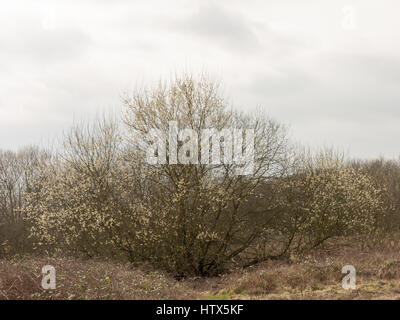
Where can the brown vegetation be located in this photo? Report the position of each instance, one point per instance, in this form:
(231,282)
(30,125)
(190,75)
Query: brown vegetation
(315,276)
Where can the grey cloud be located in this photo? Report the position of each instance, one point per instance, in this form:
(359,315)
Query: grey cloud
(227,28)
(370,67)
(336,83)
(351,101)
(34,42)
(61,44)
(331,86)
(279,83)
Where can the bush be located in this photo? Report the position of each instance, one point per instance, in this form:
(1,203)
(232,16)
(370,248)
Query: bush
(101,197)
(386,174)
(326,200)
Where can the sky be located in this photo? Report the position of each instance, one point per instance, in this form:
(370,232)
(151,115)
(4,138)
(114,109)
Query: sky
(329,69)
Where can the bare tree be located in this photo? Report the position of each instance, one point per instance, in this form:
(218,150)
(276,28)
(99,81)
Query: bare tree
(16,177)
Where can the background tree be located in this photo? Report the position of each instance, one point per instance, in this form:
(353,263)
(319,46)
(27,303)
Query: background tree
(16,177)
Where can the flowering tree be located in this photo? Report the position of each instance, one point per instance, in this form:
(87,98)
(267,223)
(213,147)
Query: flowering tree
(101,194)
(322,200)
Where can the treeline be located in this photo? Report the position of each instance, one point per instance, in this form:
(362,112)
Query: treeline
(98,196)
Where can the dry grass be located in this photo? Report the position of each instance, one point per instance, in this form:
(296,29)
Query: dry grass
(317,276)
(79,279)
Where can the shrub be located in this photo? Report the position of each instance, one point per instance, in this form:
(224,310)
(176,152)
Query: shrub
(101,197)
(326,200)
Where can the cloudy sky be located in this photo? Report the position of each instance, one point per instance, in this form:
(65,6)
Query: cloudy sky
(328,68)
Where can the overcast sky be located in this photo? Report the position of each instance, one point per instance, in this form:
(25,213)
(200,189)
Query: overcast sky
(333,76)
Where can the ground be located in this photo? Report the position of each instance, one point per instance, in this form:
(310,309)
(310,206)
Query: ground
(317,276)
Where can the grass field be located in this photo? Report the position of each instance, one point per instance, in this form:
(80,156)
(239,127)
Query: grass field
(317,276)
